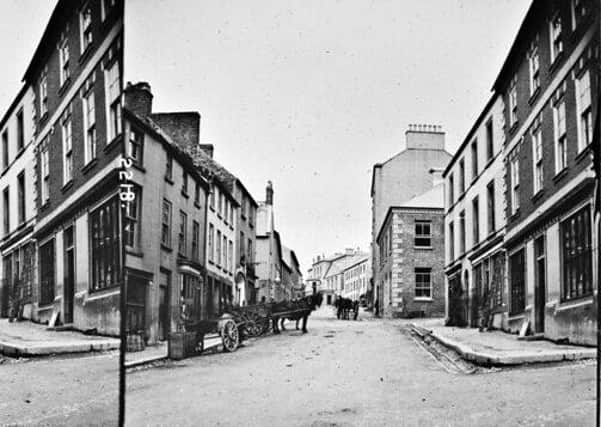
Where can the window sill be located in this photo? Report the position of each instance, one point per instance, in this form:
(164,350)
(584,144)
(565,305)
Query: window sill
(197,204)
(45,206)
(85,55)
(559,175)
(212,208)
(514,215)
(114,142)
(555,64)
(422,248)
(43,118)
(133,252)
(513,127)
(584,153)
(67,186)
(582,301)
(423,299)
(90,165)
(538,195)
(534,95)
(166,248)
(168,180)
(64,86)
(92,291)
(185,194)
(211,262)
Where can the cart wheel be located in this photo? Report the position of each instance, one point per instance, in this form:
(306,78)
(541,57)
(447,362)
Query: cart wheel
(230,336)
(200,343)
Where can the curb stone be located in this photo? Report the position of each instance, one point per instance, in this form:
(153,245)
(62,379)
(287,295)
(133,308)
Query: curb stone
(488,359)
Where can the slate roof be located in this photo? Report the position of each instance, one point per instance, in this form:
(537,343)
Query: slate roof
(433,198)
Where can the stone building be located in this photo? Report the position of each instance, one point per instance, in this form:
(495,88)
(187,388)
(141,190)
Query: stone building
(18,212)
(411,258)
(75,75)
(165,222)
(549,84)
(402,177)
(475,221)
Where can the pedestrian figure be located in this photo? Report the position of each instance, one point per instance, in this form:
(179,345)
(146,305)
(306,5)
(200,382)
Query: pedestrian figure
(355,309)
(377,307)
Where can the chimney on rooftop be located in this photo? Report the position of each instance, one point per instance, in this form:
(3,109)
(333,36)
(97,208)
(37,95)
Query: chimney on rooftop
(269,193)
(207,149)
(425,137)
(138,98)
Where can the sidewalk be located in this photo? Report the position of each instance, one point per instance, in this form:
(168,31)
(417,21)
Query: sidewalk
(497,347)
(152,353)
(26,338)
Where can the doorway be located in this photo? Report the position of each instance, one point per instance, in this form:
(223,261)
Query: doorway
(540,285)
(163,312)
(69,279)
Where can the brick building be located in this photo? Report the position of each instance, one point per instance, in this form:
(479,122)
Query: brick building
(411,260)
(75,75)
(550,83)
(164,225)
(402,177)
(18,213)
(475,221)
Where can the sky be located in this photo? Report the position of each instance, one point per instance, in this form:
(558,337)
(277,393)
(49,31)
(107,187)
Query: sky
(306,93)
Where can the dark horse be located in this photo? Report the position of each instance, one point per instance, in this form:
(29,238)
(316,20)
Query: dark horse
(343,307)
(294,310)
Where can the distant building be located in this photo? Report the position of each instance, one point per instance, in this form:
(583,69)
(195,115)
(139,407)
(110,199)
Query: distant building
(357,279)
(411,258)
(475,221)
(269,252)
(245,276)
(326,275)
(401,178)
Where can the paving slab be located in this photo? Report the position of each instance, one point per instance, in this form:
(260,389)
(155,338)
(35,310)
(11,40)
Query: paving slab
(26,338)
(151,354)
(499,348)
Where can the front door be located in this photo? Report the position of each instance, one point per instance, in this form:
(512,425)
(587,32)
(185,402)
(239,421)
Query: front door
(163,312)
(69,282)
(540,286)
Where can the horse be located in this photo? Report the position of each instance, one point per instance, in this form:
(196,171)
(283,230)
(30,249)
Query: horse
(343,306)
(300,310)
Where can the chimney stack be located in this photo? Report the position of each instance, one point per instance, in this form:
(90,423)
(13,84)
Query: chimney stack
(138,98)
(269,193)
(208,149)
(425,137)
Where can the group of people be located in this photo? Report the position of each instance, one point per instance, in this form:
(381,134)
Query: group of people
(344,307)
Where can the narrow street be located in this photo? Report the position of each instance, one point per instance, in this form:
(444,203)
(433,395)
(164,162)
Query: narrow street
(60,390)
(345,373)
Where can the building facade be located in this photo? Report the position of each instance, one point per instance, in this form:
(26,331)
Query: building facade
(357,279)
(246,242)
(550,85)
(164,225)
(411,258)
(403,177)
(75,75)
(18,213)
(475,222)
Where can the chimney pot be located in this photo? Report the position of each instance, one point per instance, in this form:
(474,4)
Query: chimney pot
(138,98)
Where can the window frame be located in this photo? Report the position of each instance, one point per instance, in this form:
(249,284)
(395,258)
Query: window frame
(67,143)
(584,113)
(475,220)
(537,158)
(560,138)
(422,285)
(555,37)
(89,119)
(86,35)
(21,202)
(166,225)
(420,236)
(580,261)
(135,219)
(182,237)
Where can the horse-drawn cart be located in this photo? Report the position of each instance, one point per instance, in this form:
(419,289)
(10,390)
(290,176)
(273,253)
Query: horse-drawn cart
(238,323)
